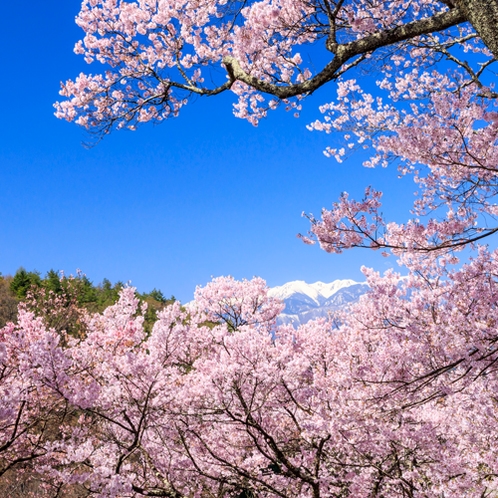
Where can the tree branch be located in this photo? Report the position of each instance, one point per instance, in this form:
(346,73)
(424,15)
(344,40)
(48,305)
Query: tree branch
(344,53)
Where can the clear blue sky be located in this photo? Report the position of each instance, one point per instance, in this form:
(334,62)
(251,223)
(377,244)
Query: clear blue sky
(166,206)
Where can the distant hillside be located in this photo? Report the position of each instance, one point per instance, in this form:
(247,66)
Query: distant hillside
(60,300)
(303,301)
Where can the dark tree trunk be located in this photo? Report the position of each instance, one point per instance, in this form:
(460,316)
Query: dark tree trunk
(483,15)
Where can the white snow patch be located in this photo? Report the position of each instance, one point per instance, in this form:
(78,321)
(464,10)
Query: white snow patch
(313,291)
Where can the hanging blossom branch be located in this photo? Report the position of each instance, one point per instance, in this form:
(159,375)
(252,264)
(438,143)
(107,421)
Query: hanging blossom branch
(158,54)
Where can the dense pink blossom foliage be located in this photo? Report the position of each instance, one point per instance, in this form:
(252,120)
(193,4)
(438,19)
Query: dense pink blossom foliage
(397,401)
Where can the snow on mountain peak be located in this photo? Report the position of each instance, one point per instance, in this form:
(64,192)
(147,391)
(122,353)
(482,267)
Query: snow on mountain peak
(313,291)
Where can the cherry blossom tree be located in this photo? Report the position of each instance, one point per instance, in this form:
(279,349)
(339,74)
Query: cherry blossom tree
(31,409)
(397,401)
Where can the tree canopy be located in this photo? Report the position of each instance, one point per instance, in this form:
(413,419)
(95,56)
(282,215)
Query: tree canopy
(217,400)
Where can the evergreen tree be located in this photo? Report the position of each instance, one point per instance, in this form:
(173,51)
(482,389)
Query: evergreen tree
(23,281)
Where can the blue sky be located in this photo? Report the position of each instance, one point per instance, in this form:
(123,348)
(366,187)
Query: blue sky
(167,206)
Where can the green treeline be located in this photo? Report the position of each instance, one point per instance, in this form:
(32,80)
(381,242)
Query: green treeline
(61,301)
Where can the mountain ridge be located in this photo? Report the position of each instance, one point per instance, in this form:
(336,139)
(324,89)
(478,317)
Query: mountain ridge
(304,302)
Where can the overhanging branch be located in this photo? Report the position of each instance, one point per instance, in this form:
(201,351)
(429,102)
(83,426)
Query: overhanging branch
(344,53)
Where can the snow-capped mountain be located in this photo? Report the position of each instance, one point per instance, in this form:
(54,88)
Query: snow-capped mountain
(304,301)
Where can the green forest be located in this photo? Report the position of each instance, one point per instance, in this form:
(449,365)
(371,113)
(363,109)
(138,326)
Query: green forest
(61,301)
